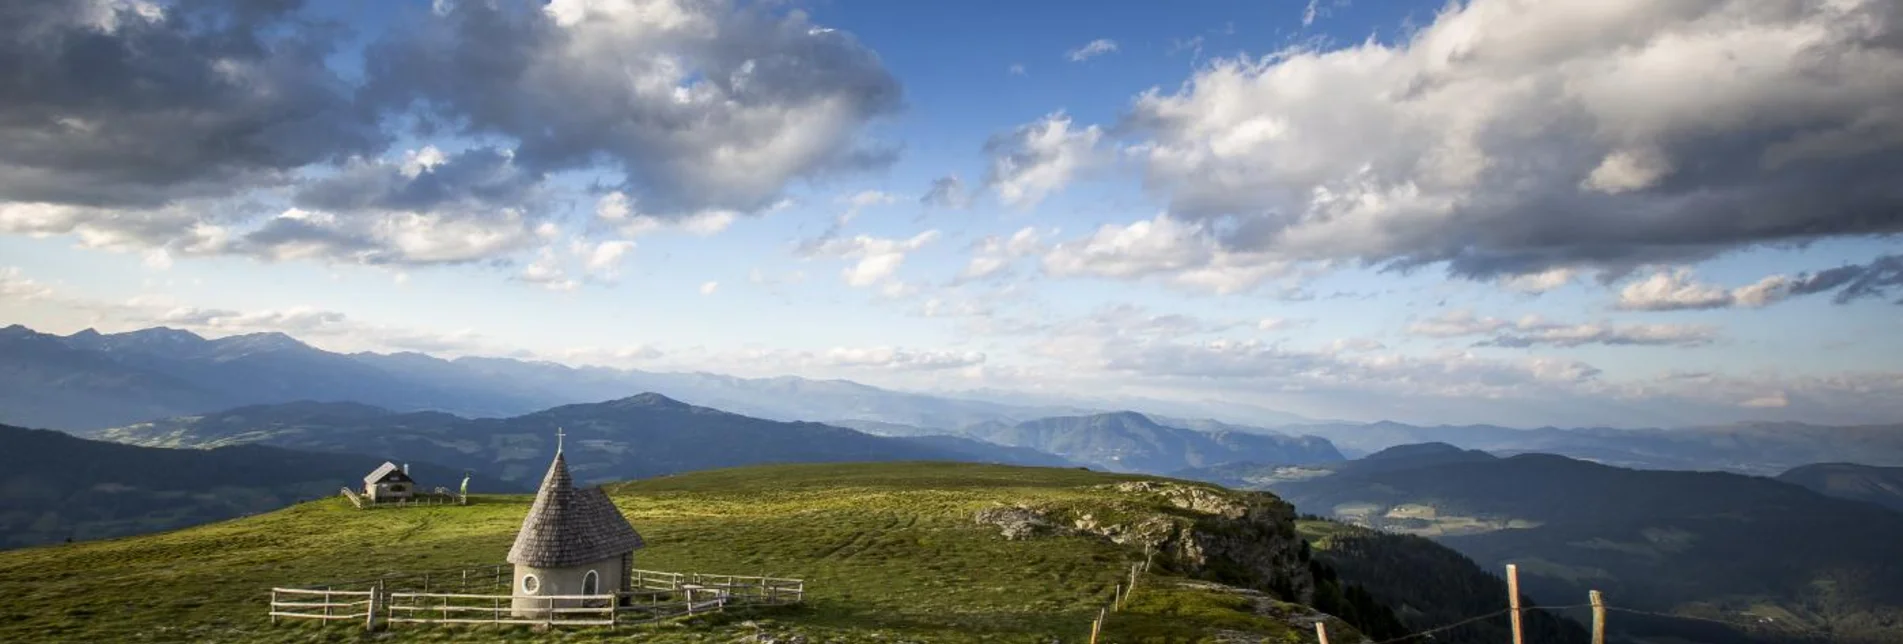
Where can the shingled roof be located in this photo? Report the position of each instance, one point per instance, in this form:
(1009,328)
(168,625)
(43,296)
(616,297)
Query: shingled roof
(387,470)
(570,527)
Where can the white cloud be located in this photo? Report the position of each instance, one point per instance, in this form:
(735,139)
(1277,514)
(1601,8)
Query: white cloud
(546,271)
(900,359)
(1091,50)
(15,286)
(1774,400)
(995,253)
(709,288)
(1180,254)
(711,106)
(603,259)
(878,258)
(618,209)
(1016,69)
(1509,138)
(1540,282)
(1533,330)
(1677,289)
(1041,158)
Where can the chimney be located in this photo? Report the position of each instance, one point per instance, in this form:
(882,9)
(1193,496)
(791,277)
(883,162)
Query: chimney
(406,469)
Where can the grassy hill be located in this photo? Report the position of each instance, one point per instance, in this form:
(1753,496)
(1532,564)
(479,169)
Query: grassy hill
(890,552)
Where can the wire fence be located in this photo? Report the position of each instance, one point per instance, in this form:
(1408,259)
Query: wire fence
(1598,620)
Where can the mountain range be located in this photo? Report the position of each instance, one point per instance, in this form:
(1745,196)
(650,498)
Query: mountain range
(1748,448)
(92,380)
(634,437)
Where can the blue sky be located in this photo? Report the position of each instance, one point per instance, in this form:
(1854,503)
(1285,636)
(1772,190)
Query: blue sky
(1469,213)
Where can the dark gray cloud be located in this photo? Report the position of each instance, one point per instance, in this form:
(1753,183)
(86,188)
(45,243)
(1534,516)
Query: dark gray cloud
(1504,140)
(704,105)
(480,178)
(134,104)
(946,192)
(1856,281)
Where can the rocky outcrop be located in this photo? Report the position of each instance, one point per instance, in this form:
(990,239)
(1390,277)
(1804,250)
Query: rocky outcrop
(1244,539)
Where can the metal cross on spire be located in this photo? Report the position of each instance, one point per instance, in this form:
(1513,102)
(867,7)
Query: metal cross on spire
(558,439)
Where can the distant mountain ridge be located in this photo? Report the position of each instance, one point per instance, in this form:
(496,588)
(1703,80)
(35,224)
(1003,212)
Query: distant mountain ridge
(54,486)
(1132,442)
(1879,485)
(91,380)
(633,437)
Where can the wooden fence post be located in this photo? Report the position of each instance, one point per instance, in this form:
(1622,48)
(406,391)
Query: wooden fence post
(274,606)
(1513,600)
(1116,598)
(1598,618)
(1321,632)
(1096,626)
(370,612)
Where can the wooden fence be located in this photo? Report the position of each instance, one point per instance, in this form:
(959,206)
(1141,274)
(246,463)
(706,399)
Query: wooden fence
(445,597)
(441,496)
(326,604)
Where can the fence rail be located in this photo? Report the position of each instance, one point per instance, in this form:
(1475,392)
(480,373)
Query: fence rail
(285,603)
(408,599)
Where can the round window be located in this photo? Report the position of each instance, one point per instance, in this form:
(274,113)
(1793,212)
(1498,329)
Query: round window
(530,584)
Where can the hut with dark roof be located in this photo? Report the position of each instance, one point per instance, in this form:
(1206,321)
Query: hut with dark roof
(573,542)
(389,483)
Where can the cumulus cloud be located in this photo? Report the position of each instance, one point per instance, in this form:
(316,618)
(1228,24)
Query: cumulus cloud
(703,106)
(708,288)
(877,258)
(201,128)
(1508,138)
(1458,374)
(946,192)
(618,211)
(1534,330)
(16,286)
(994,253)
(1178,253)
(547,271)
(136,104)
(1540,282)
(1678,289)
(1091,50)
(1041,158)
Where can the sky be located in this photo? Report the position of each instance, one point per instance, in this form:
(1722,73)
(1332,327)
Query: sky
(1590,212)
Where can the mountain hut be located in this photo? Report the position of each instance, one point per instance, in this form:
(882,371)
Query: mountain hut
(389,483)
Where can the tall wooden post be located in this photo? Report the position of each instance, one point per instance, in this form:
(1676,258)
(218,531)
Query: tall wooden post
(1598,618)
(1513,599)
(370,612)
(1321,632)
(1096,626)
(1116,598)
